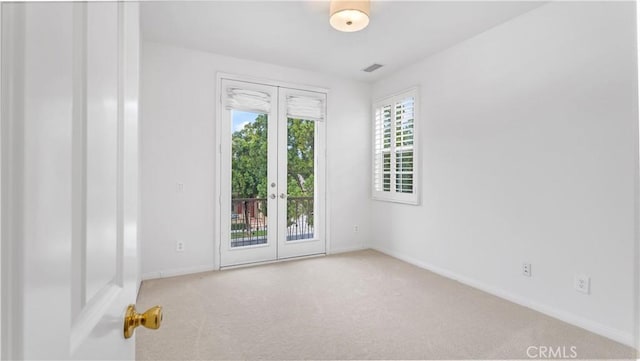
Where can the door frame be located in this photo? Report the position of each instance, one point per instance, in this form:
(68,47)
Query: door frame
(217,249)
(1,134)
(637,190)
(2,342)
(11,61)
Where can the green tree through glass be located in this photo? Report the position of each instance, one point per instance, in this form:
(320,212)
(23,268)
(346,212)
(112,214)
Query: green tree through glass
(249,164)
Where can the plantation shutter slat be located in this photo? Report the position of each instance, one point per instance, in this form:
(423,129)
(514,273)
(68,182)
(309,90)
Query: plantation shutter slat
(404,144)
(303,107)
(248,100)
(382,146)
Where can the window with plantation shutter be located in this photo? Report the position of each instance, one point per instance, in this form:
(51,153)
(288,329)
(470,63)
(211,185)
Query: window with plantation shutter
(394,143)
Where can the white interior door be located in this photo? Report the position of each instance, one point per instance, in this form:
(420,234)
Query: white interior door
(69,178)
(272,173)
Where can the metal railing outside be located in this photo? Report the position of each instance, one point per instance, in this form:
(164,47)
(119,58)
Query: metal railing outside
(249,220)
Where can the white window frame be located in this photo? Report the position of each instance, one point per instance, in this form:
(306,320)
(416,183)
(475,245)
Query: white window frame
(391,195)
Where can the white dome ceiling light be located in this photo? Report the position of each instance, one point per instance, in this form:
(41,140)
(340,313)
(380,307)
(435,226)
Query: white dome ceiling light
(349,16)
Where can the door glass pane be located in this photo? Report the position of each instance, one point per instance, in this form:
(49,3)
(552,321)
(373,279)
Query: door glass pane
(248,178)
(300,179)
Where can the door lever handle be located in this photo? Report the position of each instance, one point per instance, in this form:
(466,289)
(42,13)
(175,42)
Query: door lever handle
(283,196)
(272,196)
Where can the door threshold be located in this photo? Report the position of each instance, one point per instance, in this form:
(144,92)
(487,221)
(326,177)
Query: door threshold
(252,264)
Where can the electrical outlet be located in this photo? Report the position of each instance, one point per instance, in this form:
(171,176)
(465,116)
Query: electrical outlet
(582,284)
(179,246)
(356,228)
(526,269)
(180,187)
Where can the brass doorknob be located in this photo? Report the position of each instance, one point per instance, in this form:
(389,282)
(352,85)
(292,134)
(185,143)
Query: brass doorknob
(152,319)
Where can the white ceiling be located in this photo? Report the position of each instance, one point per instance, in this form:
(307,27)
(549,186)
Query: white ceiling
(297,33)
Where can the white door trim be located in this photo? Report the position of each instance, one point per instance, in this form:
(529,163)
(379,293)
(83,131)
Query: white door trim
(11,117)
(270,82)
(636,272)
(218,154)
(1,292)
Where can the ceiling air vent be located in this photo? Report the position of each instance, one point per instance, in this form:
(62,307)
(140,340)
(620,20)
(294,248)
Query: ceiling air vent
(372,67)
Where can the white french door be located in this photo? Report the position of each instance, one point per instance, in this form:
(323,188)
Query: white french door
(272,173)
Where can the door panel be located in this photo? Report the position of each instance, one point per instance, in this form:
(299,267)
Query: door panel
(42,137)
(72,176)
(101,144)
(301,178)
(248,176)
(113,54)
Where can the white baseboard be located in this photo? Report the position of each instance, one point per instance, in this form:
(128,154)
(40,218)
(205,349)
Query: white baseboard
(346,249)
(579,321)
(205,268)
(176,272)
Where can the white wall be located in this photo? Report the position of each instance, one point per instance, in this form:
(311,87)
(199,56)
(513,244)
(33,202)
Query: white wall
(178,109)
(529,136)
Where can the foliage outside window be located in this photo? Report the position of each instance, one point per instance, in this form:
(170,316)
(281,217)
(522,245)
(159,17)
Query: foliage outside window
(249,165)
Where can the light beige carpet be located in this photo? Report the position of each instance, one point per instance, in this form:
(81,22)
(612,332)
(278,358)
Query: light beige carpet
(359,305)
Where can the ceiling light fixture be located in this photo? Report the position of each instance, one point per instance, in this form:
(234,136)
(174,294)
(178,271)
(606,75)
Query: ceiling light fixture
(349,16)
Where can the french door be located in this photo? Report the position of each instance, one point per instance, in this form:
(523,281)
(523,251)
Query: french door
(272,173)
